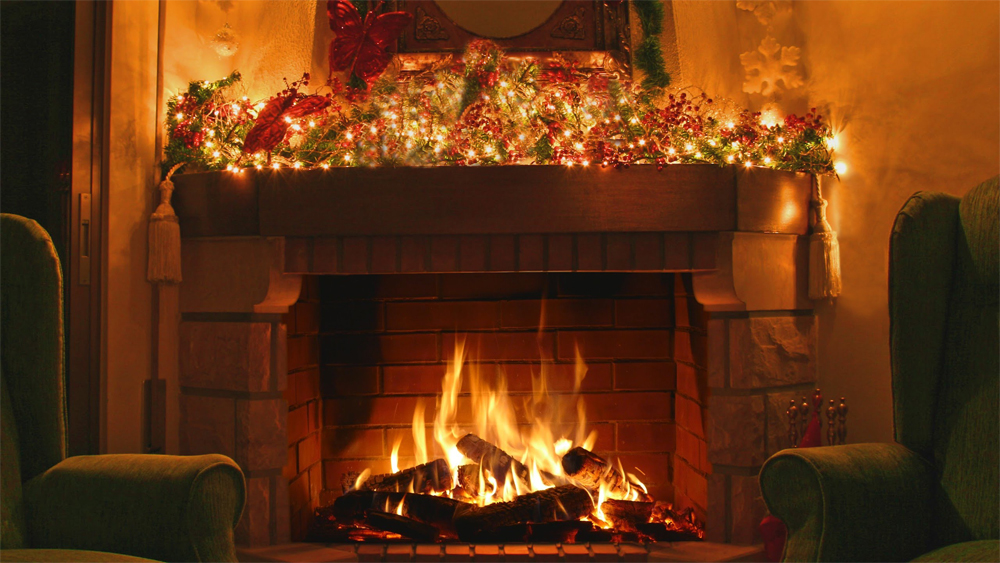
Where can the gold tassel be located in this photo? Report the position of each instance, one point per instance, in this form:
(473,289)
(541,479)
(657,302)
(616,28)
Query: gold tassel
(824,253)
(165,238)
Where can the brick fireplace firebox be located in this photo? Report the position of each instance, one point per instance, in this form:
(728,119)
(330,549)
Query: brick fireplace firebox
(305,342)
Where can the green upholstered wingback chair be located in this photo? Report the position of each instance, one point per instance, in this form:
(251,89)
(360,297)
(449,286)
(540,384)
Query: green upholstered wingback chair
(934,495)
(87,508)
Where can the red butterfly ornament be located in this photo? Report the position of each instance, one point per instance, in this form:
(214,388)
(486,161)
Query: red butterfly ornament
(360,47)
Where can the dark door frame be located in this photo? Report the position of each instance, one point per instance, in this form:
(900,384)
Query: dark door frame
(84,282)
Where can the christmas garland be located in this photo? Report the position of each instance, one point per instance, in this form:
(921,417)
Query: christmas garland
(649,57)
(487,109)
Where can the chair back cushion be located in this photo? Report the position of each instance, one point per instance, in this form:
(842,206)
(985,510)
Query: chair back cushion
(943,300)
(31,341)
(966,421)
(12,530)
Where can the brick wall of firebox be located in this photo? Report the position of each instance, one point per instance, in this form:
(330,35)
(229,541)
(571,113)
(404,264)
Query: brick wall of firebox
(363,350)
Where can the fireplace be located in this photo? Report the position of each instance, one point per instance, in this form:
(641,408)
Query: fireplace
(311,328)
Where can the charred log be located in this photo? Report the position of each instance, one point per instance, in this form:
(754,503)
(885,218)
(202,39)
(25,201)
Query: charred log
(560,503)
(468,478)
(588,469)
(491,457)
(627,515)
(435,511)
(406,527)
(429,477)
(660,531)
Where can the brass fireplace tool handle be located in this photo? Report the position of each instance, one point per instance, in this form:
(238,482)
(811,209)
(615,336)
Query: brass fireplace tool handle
(798,414)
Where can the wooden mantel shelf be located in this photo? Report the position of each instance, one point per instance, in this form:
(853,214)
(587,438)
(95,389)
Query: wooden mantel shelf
(491,200)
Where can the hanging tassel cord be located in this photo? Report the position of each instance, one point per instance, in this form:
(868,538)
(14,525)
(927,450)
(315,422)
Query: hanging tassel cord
(824,252)
(165,237)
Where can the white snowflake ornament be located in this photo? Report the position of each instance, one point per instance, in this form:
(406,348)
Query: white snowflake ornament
(763,10)
(769,64)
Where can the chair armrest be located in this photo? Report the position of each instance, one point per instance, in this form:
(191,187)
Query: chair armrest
(170,508)
(859,502)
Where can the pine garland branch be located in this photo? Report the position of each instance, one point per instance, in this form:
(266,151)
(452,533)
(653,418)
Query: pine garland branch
(649,54)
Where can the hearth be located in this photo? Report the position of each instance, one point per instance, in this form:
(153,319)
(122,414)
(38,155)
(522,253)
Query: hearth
(312,329)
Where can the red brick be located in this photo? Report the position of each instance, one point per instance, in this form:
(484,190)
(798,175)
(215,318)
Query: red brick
(383,410)
(648,251)
(384,252)
(589,253)
(690,415)
(502,345)
(298,491)
(472,254)
(374,349)
(352,315)
(291,469)
(306,386)
(615,343)
(405,437)
(690,483)
(559,377)
(442,315)
(623,405)
(309,450)
(605,434)
(413,379)
(444,254)
(340,443)
(682,345)
(677,251)
(531,253)
(619,252)
(558,313)
(297,255)
(502,255)
(315,416)
(493,286)
(315,485)
(337,381)
(413,254)
(646,437)
(644,313)
(656,472)
(298,424)
(356,254)
(693,449)
(306,317)
(657,376)
(303,351)
(325,255)
(690,382)
(560,253)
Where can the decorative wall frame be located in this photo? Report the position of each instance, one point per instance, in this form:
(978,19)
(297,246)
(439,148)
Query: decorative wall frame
(595,34)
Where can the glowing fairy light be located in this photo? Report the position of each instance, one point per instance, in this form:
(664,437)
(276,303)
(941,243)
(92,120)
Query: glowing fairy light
(179,116)
(578,146)
(325,166)
(767,160)
(730,159)
(374,130)
(297,165)
(216,154)
(642,142)
(312,124)
(296,127)
(209,144)
(689,147)
(347,158)
(276,166)
(748,164)
(833,143)
(840,167)
(781,140)
(259,167)
(288,119)
(713,143)
(567,133)
(349,136)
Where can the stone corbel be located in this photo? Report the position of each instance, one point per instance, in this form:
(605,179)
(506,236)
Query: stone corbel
(236,275)
(755,272)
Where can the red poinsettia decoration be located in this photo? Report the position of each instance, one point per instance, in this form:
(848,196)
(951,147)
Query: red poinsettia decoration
(361,47)
(273,121)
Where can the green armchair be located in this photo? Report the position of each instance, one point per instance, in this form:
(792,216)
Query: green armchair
(87,508)
(934,495)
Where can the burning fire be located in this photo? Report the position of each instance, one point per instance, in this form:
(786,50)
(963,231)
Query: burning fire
(498,460)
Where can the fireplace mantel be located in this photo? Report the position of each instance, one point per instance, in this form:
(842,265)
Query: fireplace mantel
(492,200)
(741,231)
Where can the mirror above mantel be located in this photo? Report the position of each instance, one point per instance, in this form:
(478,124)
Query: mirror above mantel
(594,34)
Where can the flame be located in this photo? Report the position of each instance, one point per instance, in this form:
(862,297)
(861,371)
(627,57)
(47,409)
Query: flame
(419,434)
(394,458)
(362,478)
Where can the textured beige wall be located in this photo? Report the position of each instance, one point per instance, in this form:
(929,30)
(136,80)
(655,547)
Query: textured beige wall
(128,295)
(913,87)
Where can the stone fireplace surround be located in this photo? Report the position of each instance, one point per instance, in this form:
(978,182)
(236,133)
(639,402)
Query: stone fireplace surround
(743,341)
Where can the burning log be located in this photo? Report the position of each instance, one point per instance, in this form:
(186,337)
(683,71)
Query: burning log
(589,469)
(627,515)
(491,457)
(660,531)
(433,476)
(560,503)
(468,478)
(435,511)
(406,527)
